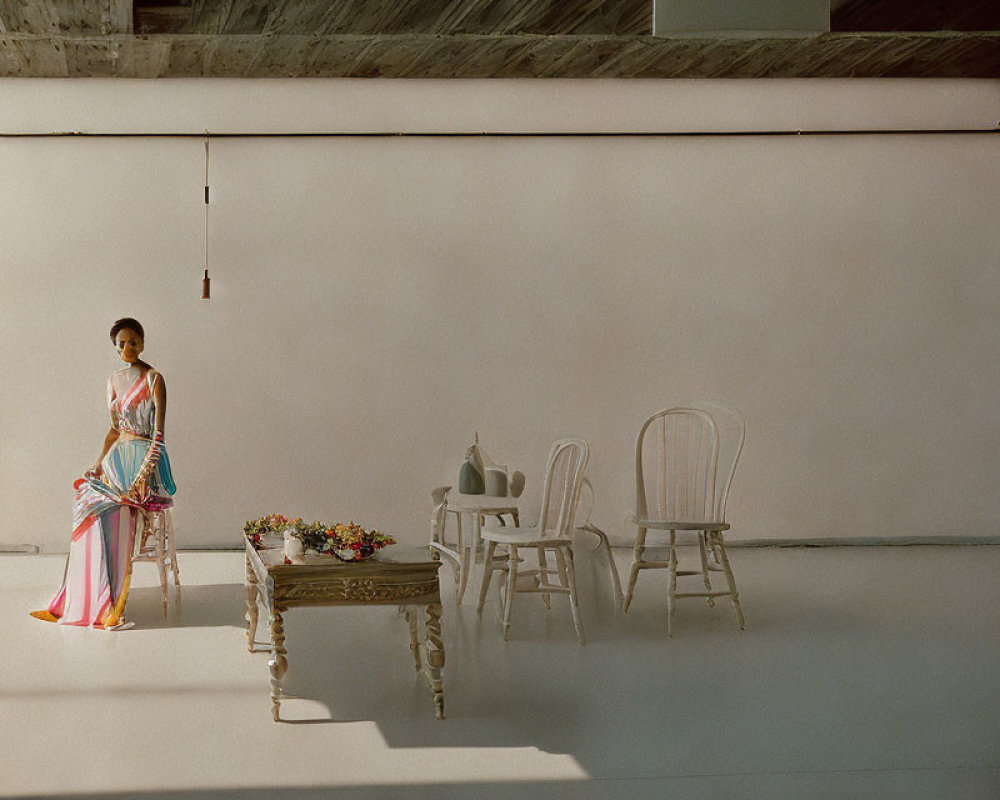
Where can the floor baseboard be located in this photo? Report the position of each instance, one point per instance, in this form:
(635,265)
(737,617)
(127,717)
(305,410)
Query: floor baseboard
(843,541)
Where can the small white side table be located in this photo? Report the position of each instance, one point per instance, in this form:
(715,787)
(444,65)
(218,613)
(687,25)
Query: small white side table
(479,506)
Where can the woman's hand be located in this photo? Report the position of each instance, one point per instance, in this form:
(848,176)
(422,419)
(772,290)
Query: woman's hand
(96,471)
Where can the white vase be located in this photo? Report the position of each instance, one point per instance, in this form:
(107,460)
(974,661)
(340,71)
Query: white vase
(496,481)
(293,547)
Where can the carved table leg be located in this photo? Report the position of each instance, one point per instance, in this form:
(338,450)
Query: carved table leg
(411,620)
(435,657)
(250,603)
(278,662)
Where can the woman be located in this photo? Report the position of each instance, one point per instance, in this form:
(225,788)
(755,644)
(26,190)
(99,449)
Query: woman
(132,470)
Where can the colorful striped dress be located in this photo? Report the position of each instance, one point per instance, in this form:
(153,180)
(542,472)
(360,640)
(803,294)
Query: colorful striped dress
(95,582)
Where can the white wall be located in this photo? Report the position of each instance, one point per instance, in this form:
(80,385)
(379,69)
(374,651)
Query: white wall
(375,301)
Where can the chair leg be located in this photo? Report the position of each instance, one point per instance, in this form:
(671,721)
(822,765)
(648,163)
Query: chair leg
(574,601)
(543,576)
(731,581)
(616,584)
(159,533)
(561,566)
(512,559)
(703,552)
(467,560)
(464,559)
(672,586)
(487,575)
(173,548)
(714,560)
(640,543)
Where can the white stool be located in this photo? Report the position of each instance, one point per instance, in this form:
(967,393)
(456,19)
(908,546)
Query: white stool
(156,544)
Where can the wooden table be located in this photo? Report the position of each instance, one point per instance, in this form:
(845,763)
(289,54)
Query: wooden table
(478,506)
(399,575)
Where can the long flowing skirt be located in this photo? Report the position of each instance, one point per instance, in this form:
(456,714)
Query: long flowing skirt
(96,579)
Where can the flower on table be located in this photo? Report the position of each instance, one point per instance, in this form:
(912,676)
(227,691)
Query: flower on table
(321,537)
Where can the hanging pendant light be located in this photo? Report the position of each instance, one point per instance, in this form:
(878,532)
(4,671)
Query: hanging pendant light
(206,283)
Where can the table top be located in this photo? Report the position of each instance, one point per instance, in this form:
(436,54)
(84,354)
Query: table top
(397,573)
(270,550)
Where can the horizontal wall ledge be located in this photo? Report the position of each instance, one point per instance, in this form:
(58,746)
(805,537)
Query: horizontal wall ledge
(291,106)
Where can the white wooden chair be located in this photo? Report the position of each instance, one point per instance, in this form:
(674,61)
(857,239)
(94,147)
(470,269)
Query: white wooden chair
(685,459)
(583,525)
(156,543)
(553,534)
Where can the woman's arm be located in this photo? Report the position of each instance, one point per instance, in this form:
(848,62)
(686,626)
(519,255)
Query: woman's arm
(109,440)
(160,398)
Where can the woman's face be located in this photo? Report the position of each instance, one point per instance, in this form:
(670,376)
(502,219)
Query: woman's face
(129,345)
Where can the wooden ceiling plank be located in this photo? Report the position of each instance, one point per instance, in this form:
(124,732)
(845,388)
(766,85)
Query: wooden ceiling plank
(579,19)
(786,56)
(202,17)
(358,68)
(35,56)
(958,59)
(614,61)
(244,17)
(520,20)
(332,19)
(11,63)
(233,56)
(29,17)
(415,61)
(453,17)
(902,52)
(336,55)
(284,57)
(292,16)
(120,14)
(147,59)
(637,20)
(525,55)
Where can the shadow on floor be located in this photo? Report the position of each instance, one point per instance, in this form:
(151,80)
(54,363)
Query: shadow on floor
(190,606)
(981,784)
(808,678)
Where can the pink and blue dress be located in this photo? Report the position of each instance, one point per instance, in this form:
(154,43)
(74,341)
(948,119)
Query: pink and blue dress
(105,519)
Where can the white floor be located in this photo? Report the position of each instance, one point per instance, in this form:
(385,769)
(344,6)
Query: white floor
(863,673)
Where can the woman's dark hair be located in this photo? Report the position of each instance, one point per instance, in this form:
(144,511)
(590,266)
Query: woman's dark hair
(126,323)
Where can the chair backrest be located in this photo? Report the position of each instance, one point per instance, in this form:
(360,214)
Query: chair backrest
(676,458)
(585,506)
(732,433)
(686,457)
(561,490)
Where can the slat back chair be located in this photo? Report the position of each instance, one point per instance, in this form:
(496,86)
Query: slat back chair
(683,474)
(552,534)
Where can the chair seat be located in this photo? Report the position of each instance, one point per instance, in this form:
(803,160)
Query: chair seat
(680,525)
(522,537)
